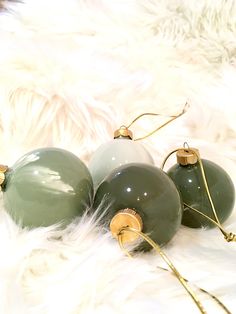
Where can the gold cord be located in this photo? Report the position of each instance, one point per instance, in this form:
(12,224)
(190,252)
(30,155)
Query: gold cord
(168,156)
(157,248)
(206,292)
(229,236)
(202,214)
(157,114)
(175,272)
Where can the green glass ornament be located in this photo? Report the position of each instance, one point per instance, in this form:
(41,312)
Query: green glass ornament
(47,186)
(141,196)
(187,176)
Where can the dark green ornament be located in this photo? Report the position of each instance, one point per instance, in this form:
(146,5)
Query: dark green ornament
(189,181)
(149,192)
(47,186)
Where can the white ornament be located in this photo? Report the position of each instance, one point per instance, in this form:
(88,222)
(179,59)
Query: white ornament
(115,153)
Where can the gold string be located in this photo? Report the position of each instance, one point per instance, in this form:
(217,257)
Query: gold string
(157,248)
(174,117)
(206,292)
(175,272)
(229,236)
(168,156)
(202,214)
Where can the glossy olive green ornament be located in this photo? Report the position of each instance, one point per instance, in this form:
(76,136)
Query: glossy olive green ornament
(187,176)
(140,196)
(47,186)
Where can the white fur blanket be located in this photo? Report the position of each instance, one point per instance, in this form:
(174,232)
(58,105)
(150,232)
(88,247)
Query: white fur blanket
(70,73)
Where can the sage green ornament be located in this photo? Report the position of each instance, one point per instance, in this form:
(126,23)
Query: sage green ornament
(142,197)
(47,186)
(187,176)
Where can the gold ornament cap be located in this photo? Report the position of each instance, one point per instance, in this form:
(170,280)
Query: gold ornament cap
(187,156)
(3,169)
(123,131)
(126,218)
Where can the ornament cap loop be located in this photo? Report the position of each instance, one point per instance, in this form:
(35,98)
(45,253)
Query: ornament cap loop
(123,131)
(187,156)
(126,218)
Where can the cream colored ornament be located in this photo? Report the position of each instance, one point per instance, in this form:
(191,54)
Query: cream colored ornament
(121,150)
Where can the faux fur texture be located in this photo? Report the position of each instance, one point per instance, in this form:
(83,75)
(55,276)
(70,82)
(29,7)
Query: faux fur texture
(73,71)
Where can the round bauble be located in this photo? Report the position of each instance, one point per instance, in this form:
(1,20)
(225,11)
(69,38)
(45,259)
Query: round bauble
(188,178)
(47,186)
(143,197)
(115,153)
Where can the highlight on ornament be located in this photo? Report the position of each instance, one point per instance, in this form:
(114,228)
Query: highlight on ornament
(45,187)
(206,189)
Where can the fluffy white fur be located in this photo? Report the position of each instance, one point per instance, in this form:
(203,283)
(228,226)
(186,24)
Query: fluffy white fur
(71,72)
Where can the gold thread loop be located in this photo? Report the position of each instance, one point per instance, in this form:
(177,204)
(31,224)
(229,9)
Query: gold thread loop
(174,117)
(186,146)
(157,248)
